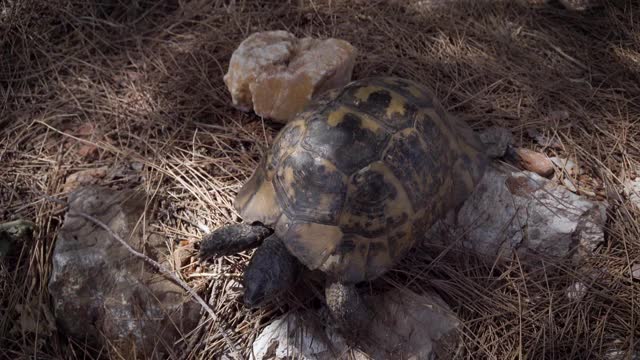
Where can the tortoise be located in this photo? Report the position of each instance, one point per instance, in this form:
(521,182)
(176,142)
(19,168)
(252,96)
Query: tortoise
(346,188)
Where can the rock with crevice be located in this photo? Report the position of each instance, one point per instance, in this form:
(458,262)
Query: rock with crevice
(522,212)
(405,326)
(103,294)
(276,74)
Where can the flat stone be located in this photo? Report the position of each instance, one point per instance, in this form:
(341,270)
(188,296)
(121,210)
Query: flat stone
(101,292)
(276,74)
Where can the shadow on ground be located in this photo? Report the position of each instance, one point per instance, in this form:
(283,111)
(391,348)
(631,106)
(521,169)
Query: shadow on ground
(147,76)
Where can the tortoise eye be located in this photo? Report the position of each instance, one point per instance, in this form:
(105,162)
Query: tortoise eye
(358,178)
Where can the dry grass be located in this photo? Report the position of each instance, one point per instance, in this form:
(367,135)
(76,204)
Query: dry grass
(142,83)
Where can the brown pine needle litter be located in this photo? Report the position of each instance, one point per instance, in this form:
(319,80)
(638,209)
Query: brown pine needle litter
(119,85)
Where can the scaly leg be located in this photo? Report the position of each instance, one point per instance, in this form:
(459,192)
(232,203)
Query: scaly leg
(348,309)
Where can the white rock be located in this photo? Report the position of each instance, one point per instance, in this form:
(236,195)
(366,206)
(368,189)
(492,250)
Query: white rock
(635,271)
(632,190)
(276,74)
(405,326)
(528,214)
(297,336)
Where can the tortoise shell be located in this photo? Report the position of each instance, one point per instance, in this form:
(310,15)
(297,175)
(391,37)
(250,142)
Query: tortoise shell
(364,171)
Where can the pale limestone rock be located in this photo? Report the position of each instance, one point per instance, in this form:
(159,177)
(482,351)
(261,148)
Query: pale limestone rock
(525,213)
(258,53)
(405,326)
(276,74)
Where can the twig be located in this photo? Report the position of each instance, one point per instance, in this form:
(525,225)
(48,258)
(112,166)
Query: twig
(166,272)
(558,50)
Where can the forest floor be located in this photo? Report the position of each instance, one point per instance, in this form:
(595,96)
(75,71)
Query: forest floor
(93,84)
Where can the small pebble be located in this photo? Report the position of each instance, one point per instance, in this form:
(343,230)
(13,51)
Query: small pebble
(536,162)
(576,291)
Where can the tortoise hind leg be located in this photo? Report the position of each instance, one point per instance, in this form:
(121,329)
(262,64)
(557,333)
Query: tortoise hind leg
(348,309)
(232,239)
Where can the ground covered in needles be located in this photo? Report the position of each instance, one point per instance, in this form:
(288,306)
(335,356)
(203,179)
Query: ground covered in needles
(117,84)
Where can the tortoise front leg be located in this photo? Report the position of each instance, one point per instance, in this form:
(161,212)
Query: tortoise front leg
(232,239)
(271,271)
(353,317)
